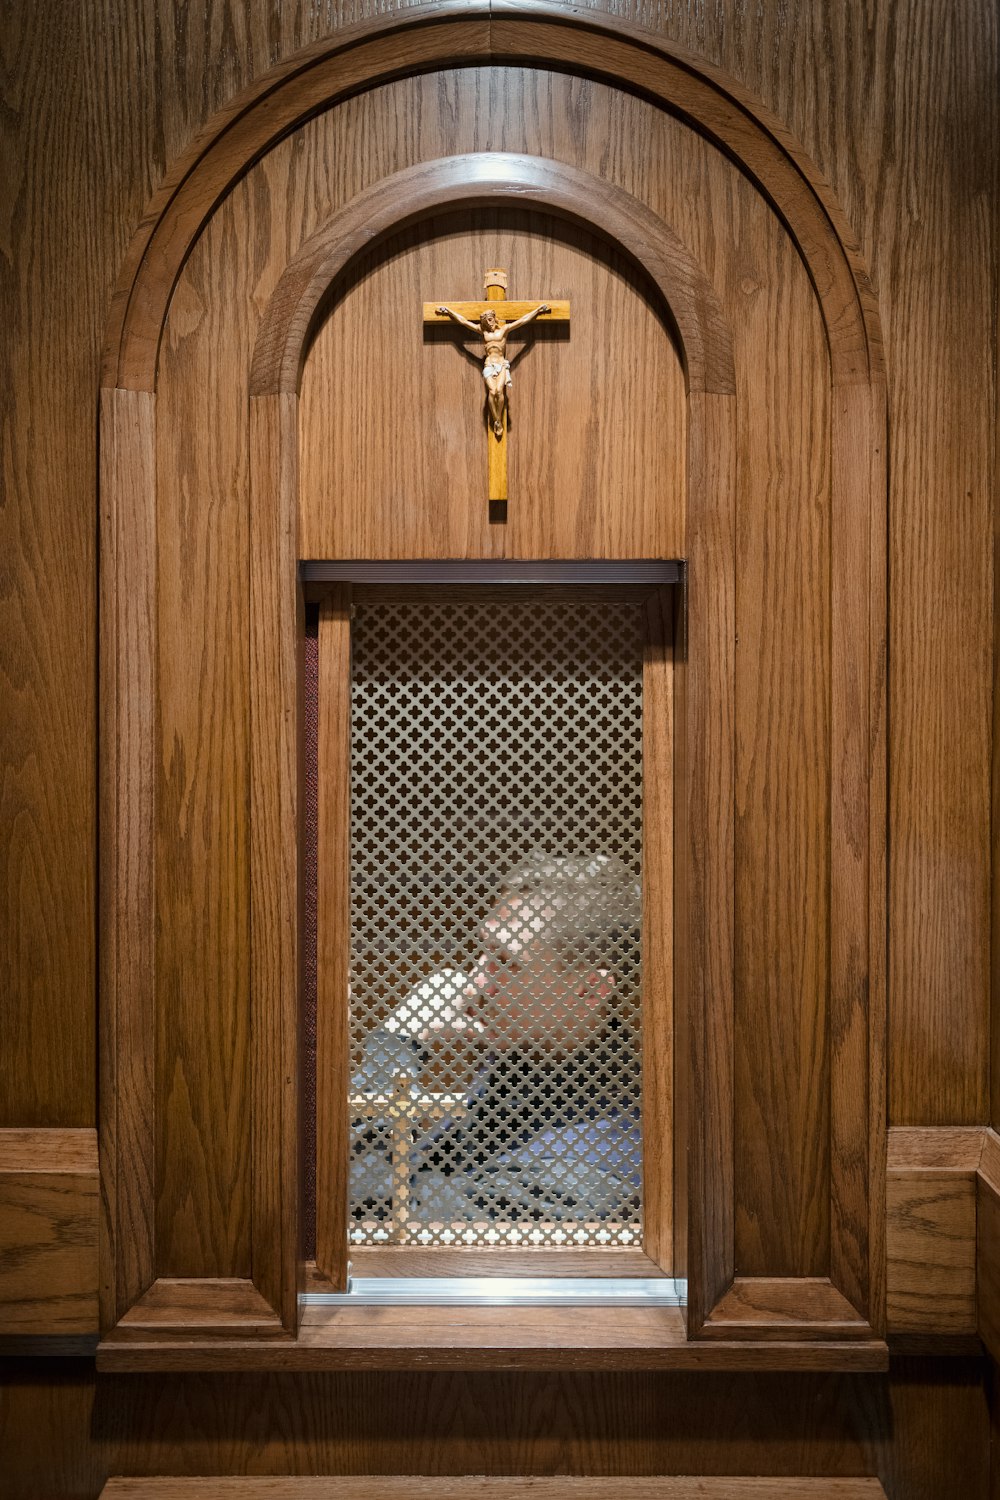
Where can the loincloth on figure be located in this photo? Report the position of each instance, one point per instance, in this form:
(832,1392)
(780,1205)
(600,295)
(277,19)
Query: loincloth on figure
(497,367)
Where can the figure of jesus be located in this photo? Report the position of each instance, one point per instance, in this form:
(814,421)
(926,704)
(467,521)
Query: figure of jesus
(496,365)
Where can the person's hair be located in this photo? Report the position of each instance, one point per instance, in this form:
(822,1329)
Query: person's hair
(588,910)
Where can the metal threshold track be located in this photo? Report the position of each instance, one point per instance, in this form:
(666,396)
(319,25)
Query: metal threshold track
(504,1291)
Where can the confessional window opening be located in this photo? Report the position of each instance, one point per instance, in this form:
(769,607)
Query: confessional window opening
(495,975)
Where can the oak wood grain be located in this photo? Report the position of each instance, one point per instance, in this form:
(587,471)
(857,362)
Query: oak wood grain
(203,980)
(368,1487)
(705,853)
(333,1053)
(619,476)
(474,180)
(784,570)
(63,235)
(931,1241)
(658,1069)
(276,634)
(128,808)
(922,1429)
(731,116)
(474,1338)
(48,1232)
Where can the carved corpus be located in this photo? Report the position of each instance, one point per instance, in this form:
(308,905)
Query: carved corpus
(493,321)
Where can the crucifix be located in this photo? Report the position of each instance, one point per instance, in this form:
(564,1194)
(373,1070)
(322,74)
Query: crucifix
(497,319)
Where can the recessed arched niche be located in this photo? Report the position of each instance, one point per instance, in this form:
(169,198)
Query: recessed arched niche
(276,418)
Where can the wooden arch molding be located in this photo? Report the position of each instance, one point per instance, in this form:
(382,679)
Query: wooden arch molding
(446,34)
(847,1307)
(478,180)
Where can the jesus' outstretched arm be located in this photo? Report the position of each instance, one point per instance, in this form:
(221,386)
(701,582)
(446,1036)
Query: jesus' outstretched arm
(449,312)
(543,307)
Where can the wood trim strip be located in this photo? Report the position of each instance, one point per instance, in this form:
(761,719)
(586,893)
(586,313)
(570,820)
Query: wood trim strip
(474,1338)
(49,1202)
(488,178)
(127,876)
(450,34)
(934,1148)
(502,572)
(931,1232)
(277,626)
(657,933)
(492,1487)
(333,925)
(200,1307)
(857,1003)
(705,851)
(793,1307)
(41,1150)
(988,1248)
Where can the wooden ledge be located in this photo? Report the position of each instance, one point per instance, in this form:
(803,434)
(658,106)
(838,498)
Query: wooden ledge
(492,1487)
(487,1338)
(179,1308)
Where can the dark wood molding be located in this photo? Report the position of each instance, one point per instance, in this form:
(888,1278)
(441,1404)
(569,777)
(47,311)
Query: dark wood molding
(476,571)
(500,1487)
(474,181)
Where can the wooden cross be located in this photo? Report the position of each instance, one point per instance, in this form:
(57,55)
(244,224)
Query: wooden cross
(496,367)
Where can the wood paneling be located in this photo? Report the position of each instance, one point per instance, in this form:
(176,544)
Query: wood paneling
(853,83)
(128,926)
(782,903)
(922,1430)
(931,1231)
(931,1240)
(63,235)
(203,1139)
(277,629)
(782,1084)
(597,440)
(48,1232)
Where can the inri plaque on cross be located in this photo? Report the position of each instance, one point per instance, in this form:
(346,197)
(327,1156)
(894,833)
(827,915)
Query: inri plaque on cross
(493,321)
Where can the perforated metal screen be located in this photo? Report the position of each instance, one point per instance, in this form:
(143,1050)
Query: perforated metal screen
(496,861)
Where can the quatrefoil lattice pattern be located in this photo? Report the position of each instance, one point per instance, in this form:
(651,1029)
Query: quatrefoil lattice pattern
(496,865)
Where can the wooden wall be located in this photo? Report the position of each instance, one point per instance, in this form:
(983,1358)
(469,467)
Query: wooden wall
(896,104)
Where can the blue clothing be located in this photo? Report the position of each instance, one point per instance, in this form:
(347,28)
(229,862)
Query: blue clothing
(536,1141)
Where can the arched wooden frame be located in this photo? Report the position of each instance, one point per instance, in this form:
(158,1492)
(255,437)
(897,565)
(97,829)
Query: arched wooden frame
(706,350)
(848,1305)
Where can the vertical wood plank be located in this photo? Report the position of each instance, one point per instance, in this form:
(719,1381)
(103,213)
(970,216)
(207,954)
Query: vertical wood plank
(128,915)
(333,1066)
(708,866)
(657,933)
(276,630)
(850,1120)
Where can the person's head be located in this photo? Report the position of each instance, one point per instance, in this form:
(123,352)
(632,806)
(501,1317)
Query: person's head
(554,949)
(488,321)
